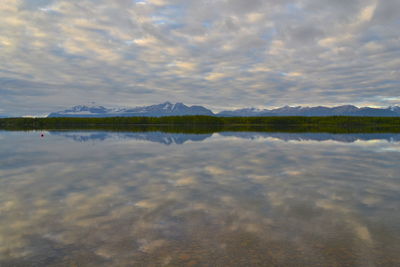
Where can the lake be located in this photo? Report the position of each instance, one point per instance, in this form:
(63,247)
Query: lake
(87,198)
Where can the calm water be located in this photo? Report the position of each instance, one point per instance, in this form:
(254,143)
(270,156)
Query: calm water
(227,199)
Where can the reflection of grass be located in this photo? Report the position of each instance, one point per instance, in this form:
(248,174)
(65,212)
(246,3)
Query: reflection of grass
(210,124)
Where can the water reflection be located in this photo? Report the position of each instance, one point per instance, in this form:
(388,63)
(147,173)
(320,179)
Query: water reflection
(225,201)
(180,138)
(158,137)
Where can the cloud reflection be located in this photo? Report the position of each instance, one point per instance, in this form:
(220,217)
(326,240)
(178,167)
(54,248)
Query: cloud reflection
(180,138)
(224,201)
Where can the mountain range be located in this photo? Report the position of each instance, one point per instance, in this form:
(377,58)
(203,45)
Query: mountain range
(346,110)
(180,109)
(163,109)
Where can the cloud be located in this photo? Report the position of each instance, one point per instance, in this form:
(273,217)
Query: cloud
(200,52)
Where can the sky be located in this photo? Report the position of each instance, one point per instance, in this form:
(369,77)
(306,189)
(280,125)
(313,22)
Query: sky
(222,54)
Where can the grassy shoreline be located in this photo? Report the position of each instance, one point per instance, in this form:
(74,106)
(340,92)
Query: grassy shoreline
(205,124)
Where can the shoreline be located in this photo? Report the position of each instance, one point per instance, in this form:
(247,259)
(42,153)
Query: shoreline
(208,124)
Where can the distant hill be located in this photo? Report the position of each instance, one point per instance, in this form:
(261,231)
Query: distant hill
(180,109)
(346,110)
(164,109)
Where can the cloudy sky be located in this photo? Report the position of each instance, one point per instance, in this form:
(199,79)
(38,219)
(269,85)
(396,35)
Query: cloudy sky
(217,53)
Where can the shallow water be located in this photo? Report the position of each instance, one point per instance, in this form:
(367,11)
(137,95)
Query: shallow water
(222,199)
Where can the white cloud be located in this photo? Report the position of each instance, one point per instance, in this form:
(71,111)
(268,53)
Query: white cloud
(225,53)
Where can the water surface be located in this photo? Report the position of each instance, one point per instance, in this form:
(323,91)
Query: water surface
(222,199)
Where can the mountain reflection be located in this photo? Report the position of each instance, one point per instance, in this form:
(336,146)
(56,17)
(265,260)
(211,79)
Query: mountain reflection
(181,138)
(157,137)
(234,199)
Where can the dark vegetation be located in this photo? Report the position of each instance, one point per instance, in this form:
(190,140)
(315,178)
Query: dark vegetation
(208,124)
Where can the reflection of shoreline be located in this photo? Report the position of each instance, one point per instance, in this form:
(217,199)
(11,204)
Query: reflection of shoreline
(181,138)
(345,138)
(121,202)
(158,137)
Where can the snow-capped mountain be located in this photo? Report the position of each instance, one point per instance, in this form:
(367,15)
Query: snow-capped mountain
(84,110)
(169,109)
(245,112)
(346,110)
(395,108)
(164,109)
(180,109)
